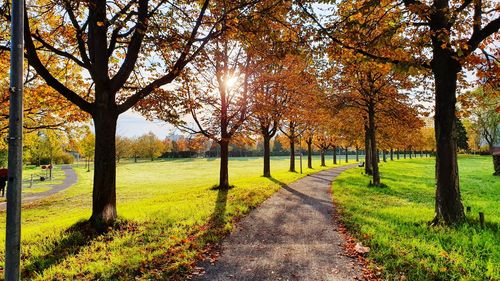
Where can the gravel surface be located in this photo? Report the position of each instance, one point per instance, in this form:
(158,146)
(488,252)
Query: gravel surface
(291,236)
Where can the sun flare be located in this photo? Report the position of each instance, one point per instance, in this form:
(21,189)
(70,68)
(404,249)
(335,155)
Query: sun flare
(231,81)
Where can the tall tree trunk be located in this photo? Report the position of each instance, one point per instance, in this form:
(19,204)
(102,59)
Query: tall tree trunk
(368,153)
(357,154)
(410,153)
(397,154)
(373,144)
(449,208)
(404,154)
(346,155)
(309,154)
(224,165)
(292,155)
(267,156)
(384,155)
(322,154)
(392,154)
(496,164)
(104,189)
(334,155)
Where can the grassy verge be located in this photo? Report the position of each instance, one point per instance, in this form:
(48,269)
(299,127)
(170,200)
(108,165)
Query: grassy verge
(168,216)
(39,186)
(393,221)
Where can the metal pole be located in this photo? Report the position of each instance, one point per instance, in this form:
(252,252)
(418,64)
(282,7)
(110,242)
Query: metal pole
(301,162)
(300,150)
(13,235)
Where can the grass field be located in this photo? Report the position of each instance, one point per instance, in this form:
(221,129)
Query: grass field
(393,221)
(39,186)
(168,215)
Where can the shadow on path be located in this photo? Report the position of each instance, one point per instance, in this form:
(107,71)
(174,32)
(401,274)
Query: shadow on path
(305,198)
(290,236)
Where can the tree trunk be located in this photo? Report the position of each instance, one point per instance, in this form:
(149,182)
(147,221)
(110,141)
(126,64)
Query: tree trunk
(392,154)
(404,154)
(104,190)
(224,165)
(309,154)
(334,155)
(357,154)
(292,155)
(449,208)
(397,154)
(267,156)
(322,153)
(373,144)
(384,155)
(496,164)
(410,153)
(368,153)
(346,155)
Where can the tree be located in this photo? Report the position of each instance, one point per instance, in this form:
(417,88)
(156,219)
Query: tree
(323,141)
(271,92)
(123,148)
(197,144)
(215,93)
(374,89)
(462,139)
(88,147)
(150,146)
(482,107)
(441,36)
(302,90)
(113,42)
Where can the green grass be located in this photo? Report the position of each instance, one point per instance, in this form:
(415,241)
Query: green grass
(39,186)
(37,172)
(168,215)
(393,221)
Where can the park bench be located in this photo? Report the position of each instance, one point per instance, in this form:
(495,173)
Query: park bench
(362,164)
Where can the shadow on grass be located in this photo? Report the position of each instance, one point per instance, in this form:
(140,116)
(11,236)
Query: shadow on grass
(73,240)
(217,219)
(202,239)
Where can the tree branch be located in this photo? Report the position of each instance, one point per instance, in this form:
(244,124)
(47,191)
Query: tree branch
(37,64)
(478,36)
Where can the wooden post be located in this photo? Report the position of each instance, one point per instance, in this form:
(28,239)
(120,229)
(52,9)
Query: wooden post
(481,219)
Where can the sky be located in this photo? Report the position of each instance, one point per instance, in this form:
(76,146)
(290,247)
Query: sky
(131,124)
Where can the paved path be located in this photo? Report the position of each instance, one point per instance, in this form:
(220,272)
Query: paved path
(69,180)
(291,236)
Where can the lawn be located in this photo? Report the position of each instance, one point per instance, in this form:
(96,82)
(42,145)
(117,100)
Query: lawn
(393,221)
(168,216)
(39,186)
